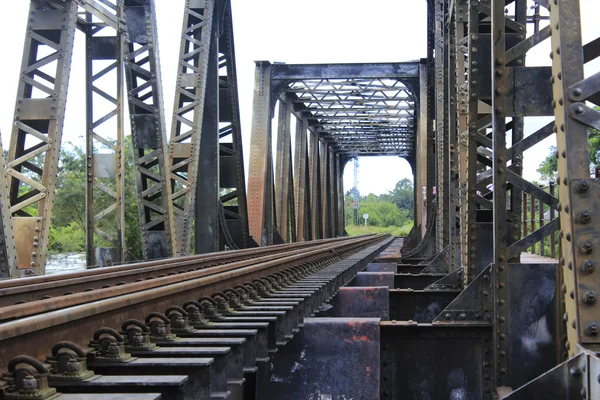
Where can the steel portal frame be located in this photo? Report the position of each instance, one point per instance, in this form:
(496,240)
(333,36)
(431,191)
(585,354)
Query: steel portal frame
(349,110)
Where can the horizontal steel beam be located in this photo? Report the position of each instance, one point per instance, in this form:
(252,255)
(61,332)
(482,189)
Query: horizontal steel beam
(344,71)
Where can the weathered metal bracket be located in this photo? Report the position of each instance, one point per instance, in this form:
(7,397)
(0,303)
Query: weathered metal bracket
(453,280)
(303,369)
(361,302)
(586,262)
(374,279)
(381,267)
(576,378)
(438,264)
(474,304)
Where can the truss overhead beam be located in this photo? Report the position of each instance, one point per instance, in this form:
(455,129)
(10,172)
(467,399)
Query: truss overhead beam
(342,71)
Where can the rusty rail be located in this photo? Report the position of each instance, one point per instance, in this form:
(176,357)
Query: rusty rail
(32,328)
(211,259)
(70,284)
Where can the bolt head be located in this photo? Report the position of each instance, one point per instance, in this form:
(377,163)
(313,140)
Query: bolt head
(575,371)
(590,297)
(593,329)
(587,266)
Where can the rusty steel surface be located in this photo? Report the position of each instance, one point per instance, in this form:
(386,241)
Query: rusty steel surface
(68,284)
(210,258)
(201,277)
(31,328)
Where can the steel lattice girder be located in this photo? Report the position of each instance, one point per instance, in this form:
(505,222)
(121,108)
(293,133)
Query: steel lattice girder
(105,194)
(146,109)
(33,155)
(356,105)
(8,254)
(351,98)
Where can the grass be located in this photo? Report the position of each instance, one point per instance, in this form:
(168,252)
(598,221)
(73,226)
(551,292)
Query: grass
(363,230)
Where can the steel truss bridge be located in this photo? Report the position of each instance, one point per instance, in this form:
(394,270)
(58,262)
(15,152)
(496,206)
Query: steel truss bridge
(296,309)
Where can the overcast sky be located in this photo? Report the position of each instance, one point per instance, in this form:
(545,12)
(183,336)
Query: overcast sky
(311,31)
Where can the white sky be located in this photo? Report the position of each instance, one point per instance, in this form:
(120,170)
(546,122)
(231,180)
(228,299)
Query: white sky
(311,31)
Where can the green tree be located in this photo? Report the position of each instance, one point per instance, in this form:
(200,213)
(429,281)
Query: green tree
(403,196)
(549,167)
(68,221)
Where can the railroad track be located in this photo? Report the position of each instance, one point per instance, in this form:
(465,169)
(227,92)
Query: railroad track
(198,326)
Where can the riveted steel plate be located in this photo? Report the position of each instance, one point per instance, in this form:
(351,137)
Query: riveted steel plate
(105,165)
(331,358)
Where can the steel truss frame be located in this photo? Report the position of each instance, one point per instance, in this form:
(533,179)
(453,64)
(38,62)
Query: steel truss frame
(147,116)
(207,85)
(205,150)
(34,148)
(105,135)
(33,158)
(349,110)
(488,94)
(8,254)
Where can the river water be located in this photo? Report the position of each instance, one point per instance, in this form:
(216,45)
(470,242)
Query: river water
(65,262)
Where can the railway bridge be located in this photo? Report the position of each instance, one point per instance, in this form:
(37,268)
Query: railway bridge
(250,286)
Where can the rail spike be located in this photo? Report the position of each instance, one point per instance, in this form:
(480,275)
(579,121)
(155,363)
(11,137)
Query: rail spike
(68,362)
(160,328)
(109,346)
(209,308)
(137,336)
(195,314)
(223,303)
(179,320)
(27,378)
(237,298)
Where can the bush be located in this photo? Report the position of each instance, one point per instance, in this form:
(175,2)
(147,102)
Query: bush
(67,239)
(393,230)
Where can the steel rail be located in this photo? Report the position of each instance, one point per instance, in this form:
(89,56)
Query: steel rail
(69,287)
(297,257)
(37,328)
(212,259)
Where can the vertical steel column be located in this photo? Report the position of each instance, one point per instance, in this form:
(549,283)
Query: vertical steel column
(422,154)
(283,183)
(260,178)
(476,122)
(188,117)
(33,155)
(339,176)
(104,143)
(499,84)
(452,133)
(324,189)
(207,181)
(430,98)
(8,253)
(578,193)
(301,182)
(461,15)
(315,187)
(144,86)
(518,129)
(441,136)
(333,193)
(233,210)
